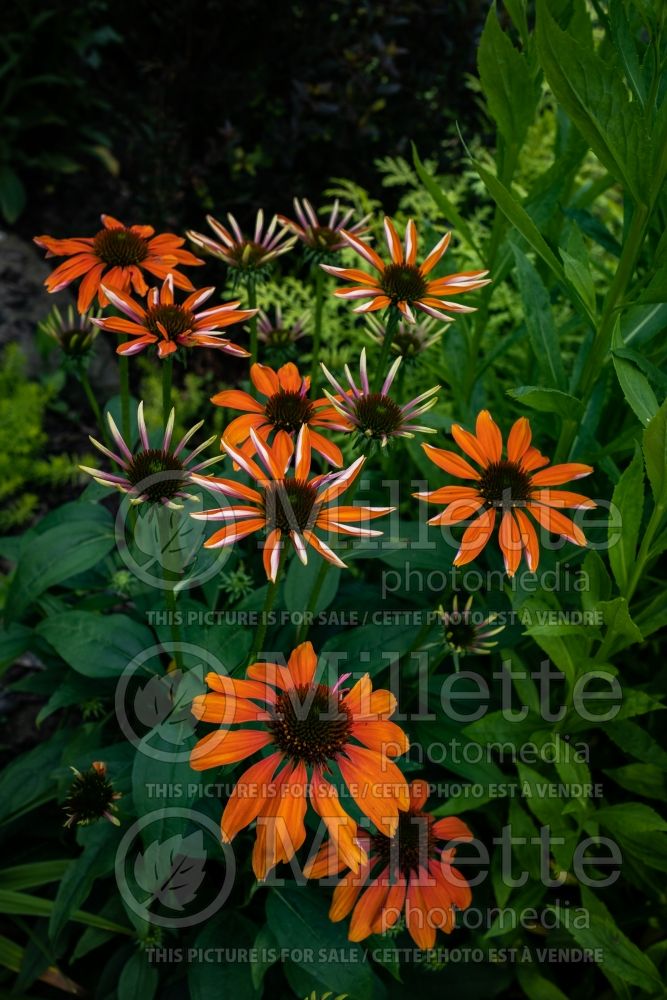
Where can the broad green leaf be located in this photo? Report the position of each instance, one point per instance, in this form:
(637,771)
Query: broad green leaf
(28,779)
(621,957)
(33,874)
(538,318)
(630,817)
(621,631)
(636,387)
(508,84)
(138,979)
(547,401)
(96,645)
(62,552)
(628,498)
(632,739)
(303,917)
(225,977)
(97,858)
(641,779)
(576,261)
(313,586)
(655,454)
(593,94)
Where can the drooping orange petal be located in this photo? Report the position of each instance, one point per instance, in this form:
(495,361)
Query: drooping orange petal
(368,908)
(226,711)
(341,827)
(238,430)
(557,523)
(458,510)
(236,399)
(345,896)
(236,687)
(509,539)
(416,916)
(383,736)
(446,494)
(248,796)
(233,532)
(451,828)
(475,538)
(419,792)
(529,540)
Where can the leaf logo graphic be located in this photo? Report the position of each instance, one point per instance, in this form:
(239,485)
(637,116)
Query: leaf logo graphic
(172,871)
(173,546)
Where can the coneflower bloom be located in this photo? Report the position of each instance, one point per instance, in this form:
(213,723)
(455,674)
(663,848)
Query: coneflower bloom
(247,255)
(91,797)
(375,415)
(403,283)
(410,340)
(284,410)
(74,332)
(323,237)
(168,325)
(291,506)
(464,632)
(508,486)
(116,257)
(152,475)
(410,872)
(279,337)
(308,727)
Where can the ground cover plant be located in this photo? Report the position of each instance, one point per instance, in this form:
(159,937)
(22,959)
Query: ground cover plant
(345,640)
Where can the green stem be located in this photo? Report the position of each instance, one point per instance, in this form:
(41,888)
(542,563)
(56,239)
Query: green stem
(170,577)
(268,605)
(317,329)
(302,632)
(167,374)
(94,405)
(124,375)
(389,334)
(252,304)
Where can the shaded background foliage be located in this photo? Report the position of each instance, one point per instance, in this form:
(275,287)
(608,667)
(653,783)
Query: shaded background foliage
(178,107)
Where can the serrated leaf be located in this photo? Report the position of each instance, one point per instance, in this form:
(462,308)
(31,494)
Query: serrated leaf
(547,401)
(655,454)
(508,84)
(628,499)
(539,321)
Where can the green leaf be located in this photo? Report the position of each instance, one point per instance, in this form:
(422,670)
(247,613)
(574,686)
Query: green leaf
(12,194)
(576,261)
(620,956)
(302,582)
(445,205)
(81,636)
(535,986)
(224,977)
(23,904)
(99,850)
(630,817)
(547,401)
(301,919)
(508,84)
(36,873)
(619,624)
(636,387)
(655,454)
(640,779)
(138,979)
(539,321)
(634,740)
(28,779)
(63,551)
(628,499)
(593,94)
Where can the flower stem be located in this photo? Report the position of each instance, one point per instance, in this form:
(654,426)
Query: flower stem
(391,327)
(167,374)
(124,375)
(252,304)
(170,577)
(94,405)
(317,329)
(302,631)
(268,605)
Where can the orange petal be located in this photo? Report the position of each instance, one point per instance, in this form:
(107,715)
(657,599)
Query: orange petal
(385,737)
(227,747)
(529,540)
(235,399)
(451,462)
(556,475)
(489,436)
(342,828)
(509,539)
(419,792)
(562,498)
(248,796)
(557,523)
(451,828)
(470,445)
(475,538)
(264,379)
(519,439)
(458,510)
(302,664)
(368,908)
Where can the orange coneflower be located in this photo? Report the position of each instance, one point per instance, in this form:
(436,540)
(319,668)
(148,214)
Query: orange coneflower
(510,485)
(309,727)
(403,283)
(292,506)
(285,410)
(414,875)
(171,326)
(116,257)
